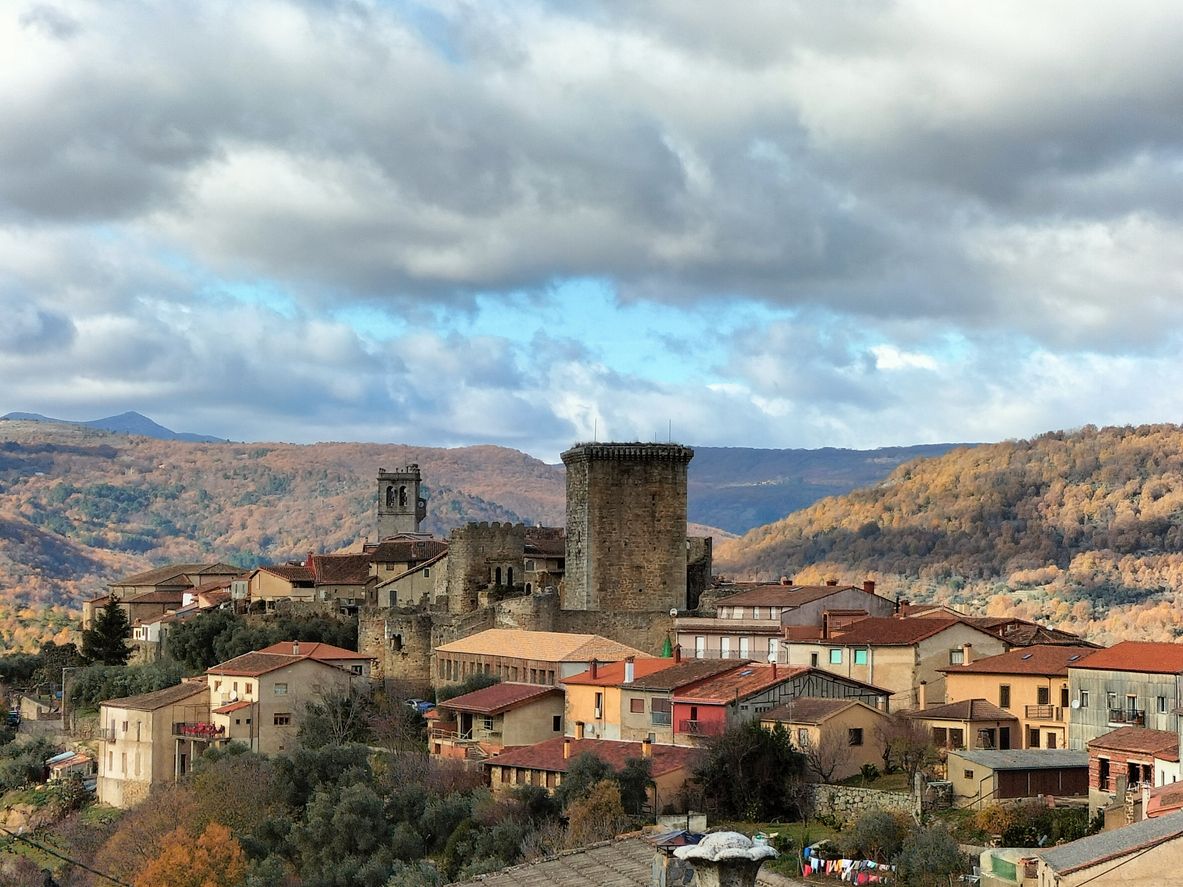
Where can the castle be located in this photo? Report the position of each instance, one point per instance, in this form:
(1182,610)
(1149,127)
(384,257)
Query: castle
(623,568)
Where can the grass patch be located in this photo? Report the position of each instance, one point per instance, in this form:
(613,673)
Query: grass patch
(889,782)
(99,814)
(787,863)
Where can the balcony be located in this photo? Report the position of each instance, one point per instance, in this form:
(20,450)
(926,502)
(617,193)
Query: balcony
(106,734)
(202,731)
(1043,712)
(1132,717)
(701,728)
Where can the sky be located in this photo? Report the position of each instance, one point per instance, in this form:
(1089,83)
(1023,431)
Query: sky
(768,224)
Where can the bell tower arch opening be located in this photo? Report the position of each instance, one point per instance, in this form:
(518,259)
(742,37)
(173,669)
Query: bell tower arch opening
(401,505)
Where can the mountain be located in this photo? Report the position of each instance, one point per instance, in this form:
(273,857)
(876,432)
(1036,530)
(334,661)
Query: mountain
(1084,529)
(125,423)
(737,488)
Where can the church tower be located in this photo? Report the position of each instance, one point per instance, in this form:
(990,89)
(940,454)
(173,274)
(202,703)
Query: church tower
(400,507)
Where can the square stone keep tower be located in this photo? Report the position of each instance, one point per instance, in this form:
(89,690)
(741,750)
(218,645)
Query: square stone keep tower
(626,527)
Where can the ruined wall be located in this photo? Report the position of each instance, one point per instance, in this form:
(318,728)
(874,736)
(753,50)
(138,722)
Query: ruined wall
(533,612)
(626,527)
(847,803)
(699,563)
(399,641)
(477,553)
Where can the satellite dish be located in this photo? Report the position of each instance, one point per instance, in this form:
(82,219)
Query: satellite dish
(673,612)
(772,658)
(1076,703)
(234,696)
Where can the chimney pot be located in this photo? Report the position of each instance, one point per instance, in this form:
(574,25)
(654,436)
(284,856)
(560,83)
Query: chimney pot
(922,695)
(967,654)
(647,748)
(595,669)
(566,749)
(630,669)
(677,652)
(869,586)
(579,729)
(295,648)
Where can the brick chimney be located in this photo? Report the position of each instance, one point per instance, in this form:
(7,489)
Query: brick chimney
(869,586)
(647,747)
(922,695)
(630,669)
(566,749)
(595,669)
(967,654)
(677,653)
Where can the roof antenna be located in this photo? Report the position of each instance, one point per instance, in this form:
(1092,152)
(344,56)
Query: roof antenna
(595,430)
(669,438)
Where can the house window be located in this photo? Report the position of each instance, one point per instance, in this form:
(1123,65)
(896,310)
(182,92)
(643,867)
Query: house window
(1063,697)
(700,647)
(356,669)
(636,705)
(1004,696)
(773,648)
(969,774)
(125,726)
(745,647)
(661,711)
(599,705)
(488,724)
(556,723)
(1084,698)
(940,737)
(724,648)
(956,737)
(755,612)
(957,657)
(281,689)
(854,736)
(248,687)
(835,657)
(860,657)
(813,660)
(282,719)
(1032,738)
(217,685)
(802,737)
(1162,705)
(426,572)
(1042,695)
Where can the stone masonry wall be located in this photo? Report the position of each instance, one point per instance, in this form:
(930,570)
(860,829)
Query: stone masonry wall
(626,527)
(474,553)
(645,631)
(847,803)
(399,641)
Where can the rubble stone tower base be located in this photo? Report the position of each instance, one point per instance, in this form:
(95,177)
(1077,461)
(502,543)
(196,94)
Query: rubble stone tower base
(626,527)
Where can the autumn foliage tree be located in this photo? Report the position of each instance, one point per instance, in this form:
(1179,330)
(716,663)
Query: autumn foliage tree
(214,859)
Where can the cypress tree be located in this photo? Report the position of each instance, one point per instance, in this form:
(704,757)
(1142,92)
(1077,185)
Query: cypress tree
(105,642)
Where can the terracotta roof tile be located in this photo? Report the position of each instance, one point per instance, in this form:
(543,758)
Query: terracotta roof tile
(405,551)
(548,755)
(290,572)
(738,684)
(159,698)
(499,697)
(340,569)
(1052,660)
(546,646)
(808,710)
(232,707)
(1150,658)
(1159,743)
(611,674)
(156,597)
(254,664)
(777,595)
(160,575)
(314,650)
(890,631)
(965,710)
(686,672)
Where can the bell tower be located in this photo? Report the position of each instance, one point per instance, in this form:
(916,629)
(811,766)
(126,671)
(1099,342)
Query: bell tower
(400,507)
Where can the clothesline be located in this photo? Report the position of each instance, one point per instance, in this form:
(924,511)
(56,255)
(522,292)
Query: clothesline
(852,871)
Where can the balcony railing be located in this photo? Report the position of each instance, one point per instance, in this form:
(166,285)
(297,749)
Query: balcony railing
(1134,717)
(1043,712)
(106,734)
(701,728)
(200,730)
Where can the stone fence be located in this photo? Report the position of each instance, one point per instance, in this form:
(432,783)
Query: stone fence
(847,803)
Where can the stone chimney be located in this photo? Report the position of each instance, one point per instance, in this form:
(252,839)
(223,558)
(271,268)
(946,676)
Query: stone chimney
(967,654)
(646,747)
(566,749)
(579,729)
(725,858)
(677,653)
(922,696)
(595,669)
(630,669)
(295,648)
(869,586)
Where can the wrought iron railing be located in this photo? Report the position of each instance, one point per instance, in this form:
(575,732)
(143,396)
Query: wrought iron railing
(202,730)
(701,728)
(1135,717)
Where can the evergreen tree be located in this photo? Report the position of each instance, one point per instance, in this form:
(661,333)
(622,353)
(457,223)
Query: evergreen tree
(106,640)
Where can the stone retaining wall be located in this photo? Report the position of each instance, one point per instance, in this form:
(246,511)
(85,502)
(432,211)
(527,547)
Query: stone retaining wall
(848,803)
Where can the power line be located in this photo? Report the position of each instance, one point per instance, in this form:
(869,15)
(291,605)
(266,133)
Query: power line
(63,857)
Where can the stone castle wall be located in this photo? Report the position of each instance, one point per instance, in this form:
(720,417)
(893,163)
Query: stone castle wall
(626,527)
(476,553)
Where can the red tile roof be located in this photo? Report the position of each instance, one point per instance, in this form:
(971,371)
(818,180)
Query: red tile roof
(965,710)
(405,551)
(1043,659)
(232,707)
(156,597)
(777,595)
(1150,658)
(686,672)
(290,572)
(340,569)
(253,664)
(738,684)
(159,698)
(1165,799)
(890,631)
(314,650)
(611,674)
(548,755)
(1140,740)
(808,710)
(499,697)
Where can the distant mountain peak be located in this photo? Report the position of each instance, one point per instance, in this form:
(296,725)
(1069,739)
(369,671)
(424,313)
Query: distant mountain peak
(129,422)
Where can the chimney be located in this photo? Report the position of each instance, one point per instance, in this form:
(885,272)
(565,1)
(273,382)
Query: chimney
(677,652)
(595,669)
(922,695)
(566,749)
(579,729)
(295,648)
(831,582)
(869,586)
(785,580)
(630,669)
(967,654)
(774,669)
(308,560)
(647,747)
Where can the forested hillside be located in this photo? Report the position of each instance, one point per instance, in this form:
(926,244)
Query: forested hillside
(1082,528)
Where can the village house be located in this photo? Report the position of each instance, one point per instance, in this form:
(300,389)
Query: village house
(156,592)
(342,579)
(984,776)
(708,707)
(413,587)
(149,635)
(596,706)
(544,558)
(1145,853)
(970,723)
(545,763)
(896,653)
(751,623)
(1131,684)
(1029,682)
(845,733)
(267,586)
(527,657)
(485,722)
(137,744)
(1123,762)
